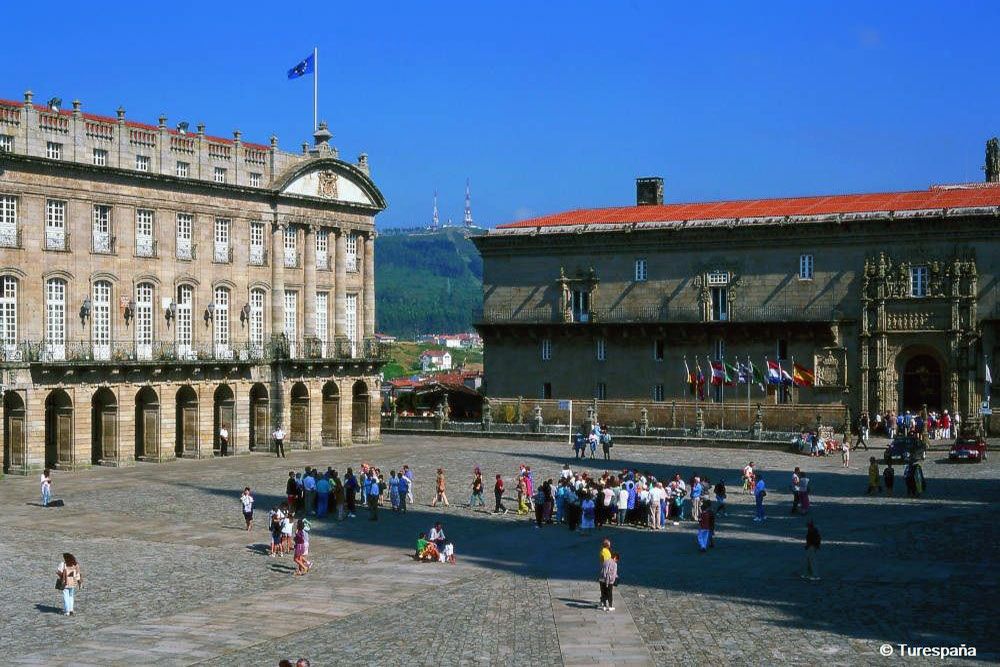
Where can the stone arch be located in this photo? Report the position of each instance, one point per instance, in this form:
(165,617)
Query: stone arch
(14,432)
(298,431)
(260,418)
(922,371)
(330,428)
(147,424)
(58,429)
(103,426)
(359,412)
(224,401)
(186,406)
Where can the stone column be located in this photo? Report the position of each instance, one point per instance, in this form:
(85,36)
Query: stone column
(168,421)
(340,284)
(127,426)
(369,285)
(277,279)
(309,257)
(239,438)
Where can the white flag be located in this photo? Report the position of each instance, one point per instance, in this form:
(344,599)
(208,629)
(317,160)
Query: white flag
(989,378)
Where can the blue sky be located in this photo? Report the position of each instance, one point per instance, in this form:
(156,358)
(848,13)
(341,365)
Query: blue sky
(548,106)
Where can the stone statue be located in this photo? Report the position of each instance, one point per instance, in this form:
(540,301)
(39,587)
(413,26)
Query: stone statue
(487,417)
(993,160)
(643,421)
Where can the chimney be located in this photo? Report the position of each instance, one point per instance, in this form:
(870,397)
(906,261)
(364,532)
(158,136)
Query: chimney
(649,191)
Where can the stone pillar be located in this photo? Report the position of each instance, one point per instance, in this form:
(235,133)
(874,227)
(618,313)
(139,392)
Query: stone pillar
(125,452)
(340,285)
(315,414)
(206,421)
(369,286)
(81,457)
(309,257)
(34,428)
(168,422)
(277,279)
(239,439)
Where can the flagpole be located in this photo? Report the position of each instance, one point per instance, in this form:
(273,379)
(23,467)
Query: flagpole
(722,393)
(749,381)
(315,88)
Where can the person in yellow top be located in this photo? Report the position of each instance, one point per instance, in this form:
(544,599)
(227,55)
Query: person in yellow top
(605,550)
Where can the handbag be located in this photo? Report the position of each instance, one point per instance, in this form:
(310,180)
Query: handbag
(60,583)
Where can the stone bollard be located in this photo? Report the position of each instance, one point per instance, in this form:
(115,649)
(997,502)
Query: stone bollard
(487,419)
(643,421)
(441,415)
(536,420)
(394,416)
(758,423)
(591,417)
(699,422)
(673,414)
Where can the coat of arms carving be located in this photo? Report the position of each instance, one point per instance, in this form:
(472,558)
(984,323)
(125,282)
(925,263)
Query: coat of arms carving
(328,184)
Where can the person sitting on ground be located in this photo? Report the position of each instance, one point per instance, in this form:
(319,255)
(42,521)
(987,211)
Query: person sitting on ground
(426,550)
(437,535)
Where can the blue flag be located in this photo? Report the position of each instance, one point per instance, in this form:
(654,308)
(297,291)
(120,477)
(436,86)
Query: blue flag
(304,67)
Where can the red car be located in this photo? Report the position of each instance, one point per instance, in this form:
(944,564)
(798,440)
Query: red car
(968,449)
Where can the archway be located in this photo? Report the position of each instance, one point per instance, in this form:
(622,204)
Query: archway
(260,418)
(187,422)
(58,429)
(13,432)
(331,414)
(225,417)
(922,383)
(298,434)
(147,424)
(359,412)
(103,426)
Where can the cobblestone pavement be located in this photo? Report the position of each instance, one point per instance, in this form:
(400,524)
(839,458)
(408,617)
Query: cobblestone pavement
(171,577)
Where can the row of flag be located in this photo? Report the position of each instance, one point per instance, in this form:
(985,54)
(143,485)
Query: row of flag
(732,374)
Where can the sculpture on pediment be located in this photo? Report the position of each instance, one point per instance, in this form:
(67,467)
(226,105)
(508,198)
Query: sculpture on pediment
(328,184)
(936,286)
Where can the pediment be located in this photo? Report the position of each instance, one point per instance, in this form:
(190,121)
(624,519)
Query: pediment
(333,181)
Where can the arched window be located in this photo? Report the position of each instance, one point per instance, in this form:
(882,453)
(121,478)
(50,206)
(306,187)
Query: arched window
(144,320)
(182,318)
(55,318)
(100,319)
(8,316)
(220,321)
(257,322)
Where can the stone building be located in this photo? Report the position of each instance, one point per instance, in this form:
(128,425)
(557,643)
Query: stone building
(159,284)
(893,299)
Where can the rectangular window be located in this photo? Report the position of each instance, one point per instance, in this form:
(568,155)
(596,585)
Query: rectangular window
(291,320)
(805,267)
(918,281)
(55,225)
(144,321)
(658,392)
(351,323)
(8,221)
(291,247)
(100,157)
(8,315)
(322,319)
(6,143)
(55,319)
(142,162)
(257,253)
(219,175)
(719,349)
(781,351)
(640,270)
(602,349)
(547,390)
(220,324)
(184,316)
(720,304)
(659,347)
(546,349)
(100,320)
(53,151)
(352,252)
(581,306)
(222,253)
(257,322)
(145,246)
(101,235)
(185,224)
(322,249)
(183,169)
(254,180)
(601,391)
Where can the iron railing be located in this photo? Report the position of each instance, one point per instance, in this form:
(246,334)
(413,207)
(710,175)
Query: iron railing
(654,313)
(258,255)
(10,238)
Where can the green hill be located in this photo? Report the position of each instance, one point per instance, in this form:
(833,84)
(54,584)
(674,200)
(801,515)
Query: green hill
(427,282)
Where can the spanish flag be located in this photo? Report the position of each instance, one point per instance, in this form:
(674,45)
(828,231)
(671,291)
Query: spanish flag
(802,376)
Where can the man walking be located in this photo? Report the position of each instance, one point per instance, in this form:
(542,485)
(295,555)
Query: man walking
(863,426)
(279,442)
(813,540)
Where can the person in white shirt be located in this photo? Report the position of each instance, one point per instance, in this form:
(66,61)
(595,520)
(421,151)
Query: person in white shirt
(437,536)
(566,472)
(279,442)
(656,497)
(224,441)
(46,485)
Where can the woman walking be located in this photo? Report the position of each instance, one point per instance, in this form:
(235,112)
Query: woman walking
(845,451)
(247,501)
(440,496)
(301,549)
(607,579)
(46,483)
(498,495)
(477,490)
(69,579)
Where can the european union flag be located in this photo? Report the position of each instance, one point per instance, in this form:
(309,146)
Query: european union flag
(304,67)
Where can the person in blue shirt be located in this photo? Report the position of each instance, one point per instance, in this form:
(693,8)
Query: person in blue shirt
(759,492)
(404,490)
(323,488)
(696,489)
(630,487)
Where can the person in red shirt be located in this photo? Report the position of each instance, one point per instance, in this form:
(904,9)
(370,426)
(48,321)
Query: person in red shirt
(498,494)
(706,527)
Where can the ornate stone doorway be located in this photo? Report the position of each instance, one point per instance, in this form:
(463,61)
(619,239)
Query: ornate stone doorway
(104,427)
(187,422)
(147,424)
(260,419)
(922,384)
(299,413)
(331,414)
(13,432)
(58,429)
(359,412)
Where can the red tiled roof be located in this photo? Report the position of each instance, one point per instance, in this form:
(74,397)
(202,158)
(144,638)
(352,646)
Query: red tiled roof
(972,195)
(435,353)
(131,123)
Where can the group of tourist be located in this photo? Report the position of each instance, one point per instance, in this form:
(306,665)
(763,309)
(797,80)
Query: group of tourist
(936,425)
(913,478)
(598,435)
